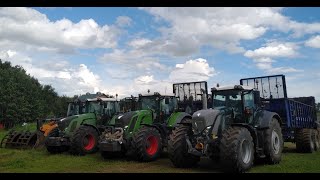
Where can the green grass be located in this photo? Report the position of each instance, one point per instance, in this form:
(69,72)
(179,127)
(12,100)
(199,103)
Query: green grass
(39,160)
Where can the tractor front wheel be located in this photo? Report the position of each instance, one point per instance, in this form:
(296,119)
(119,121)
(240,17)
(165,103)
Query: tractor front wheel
(54,149)
(273,142)
(237,152)
(84,141)
(178,148)
(147,144)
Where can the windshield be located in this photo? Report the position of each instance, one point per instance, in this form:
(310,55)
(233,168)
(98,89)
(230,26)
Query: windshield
(148,102)
(111,107)
(171,105)
(229,98)
(93,106)
(75,108)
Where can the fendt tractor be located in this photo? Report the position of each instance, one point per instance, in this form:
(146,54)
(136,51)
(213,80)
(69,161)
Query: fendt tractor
(78,133)
(247,121)
(143,134)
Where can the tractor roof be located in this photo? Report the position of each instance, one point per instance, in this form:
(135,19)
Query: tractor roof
(237,87)
(157,94)
(103,99)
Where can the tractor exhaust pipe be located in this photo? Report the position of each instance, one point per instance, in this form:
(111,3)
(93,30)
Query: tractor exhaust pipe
(204,99)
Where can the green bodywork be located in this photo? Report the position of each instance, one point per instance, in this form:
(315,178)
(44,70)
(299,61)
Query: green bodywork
(75,121)
(155,110)
(88,113)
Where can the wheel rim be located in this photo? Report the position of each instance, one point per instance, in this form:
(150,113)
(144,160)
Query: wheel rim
(152,145)
(275,141)
(245,151)
(88,142)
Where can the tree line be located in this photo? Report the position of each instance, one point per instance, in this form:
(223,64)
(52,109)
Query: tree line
(24,99)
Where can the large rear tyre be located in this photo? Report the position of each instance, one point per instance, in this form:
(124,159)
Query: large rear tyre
(178,148)
(273,142)
(147,144)
(84,141)
(305,140)
(238,152)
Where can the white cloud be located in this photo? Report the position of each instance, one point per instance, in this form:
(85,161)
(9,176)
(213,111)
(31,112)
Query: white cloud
(193,27)
(273,50)
(144,79)
(123,21)
(281,70)
(192,70)
(29,27)
(137,43)
(66,78)
(313,42)
(262,57)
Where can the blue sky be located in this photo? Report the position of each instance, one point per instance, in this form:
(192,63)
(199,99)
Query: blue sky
(130,50)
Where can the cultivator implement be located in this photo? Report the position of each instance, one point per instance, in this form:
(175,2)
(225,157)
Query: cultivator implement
(22,140)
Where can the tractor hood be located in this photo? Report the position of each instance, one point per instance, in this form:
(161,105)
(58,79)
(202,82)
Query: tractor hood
(122,120)
(64,122)
(204,118)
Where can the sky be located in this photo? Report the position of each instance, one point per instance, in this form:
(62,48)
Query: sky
(127,51)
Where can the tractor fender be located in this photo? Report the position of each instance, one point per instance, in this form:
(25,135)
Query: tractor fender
(176,118)
(252,131)
(263,119)
(162,130)
(92,127)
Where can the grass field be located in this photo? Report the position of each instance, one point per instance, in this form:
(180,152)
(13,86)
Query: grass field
(39,160)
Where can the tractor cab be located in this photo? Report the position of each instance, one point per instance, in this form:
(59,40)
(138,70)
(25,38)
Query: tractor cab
(128,104)
(238,101)
(75,108)
(161,105)
(104,108)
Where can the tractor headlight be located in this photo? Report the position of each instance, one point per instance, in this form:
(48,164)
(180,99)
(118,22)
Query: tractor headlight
(206,130)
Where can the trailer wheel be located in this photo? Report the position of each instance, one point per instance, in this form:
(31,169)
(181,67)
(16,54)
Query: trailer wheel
(305,140)
(178,148)
(147,144)
(84,141)
(238,152)
(273,142)
(316,137)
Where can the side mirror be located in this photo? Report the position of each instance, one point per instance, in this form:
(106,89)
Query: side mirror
(166,100)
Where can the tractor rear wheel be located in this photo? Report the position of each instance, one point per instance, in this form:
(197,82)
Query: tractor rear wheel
(54,149)
(238,152)
(147,144)
(84,141)
(178,148)
(273,142)
(305,140)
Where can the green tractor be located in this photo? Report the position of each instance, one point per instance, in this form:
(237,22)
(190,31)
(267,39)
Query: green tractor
(143,134)
(78,133)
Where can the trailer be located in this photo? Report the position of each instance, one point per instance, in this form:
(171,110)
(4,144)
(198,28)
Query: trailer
(298,115)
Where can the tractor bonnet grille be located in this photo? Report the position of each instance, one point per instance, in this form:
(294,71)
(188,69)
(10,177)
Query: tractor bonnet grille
(124,120)
(63,123)
(203,118)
